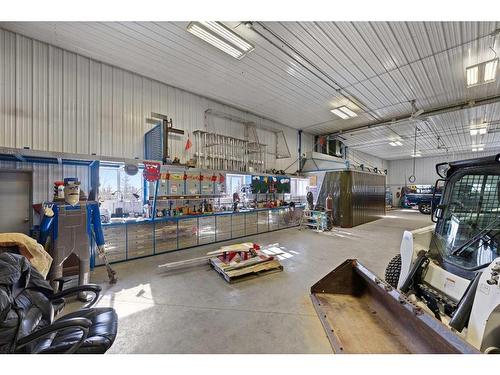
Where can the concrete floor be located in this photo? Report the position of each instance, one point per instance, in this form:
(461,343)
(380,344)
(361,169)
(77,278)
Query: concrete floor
(193,310)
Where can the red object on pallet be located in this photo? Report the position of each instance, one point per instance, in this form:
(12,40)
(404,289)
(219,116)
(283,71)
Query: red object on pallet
(228,256)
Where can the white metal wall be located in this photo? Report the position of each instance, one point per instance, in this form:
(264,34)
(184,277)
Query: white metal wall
(56,100)
(358,157)
(425,168)
(383,65)
(44,176)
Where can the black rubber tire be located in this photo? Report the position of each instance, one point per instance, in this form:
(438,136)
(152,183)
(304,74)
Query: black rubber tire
(393,270)
(425,208)
(492,350)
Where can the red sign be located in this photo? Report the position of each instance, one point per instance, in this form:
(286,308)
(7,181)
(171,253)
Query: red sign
(151,171)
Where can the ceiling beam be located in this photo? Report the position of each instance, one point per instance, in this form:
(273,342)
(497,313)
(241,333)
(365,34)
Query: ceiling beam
(427,113)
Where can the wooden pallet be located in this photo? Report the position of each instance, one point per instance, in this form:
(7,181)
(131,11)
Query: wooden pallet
(245,273)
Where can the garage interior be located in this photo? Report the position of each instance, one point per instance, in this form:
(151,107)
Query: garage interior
(251,187)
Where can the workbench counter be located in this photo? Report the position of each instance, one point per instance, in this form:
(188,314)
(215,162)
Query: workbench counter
(136,239)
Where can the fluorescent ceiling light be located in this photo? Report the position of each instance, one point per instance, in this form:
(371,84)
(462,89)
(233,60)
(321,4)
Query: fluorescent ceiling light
(221,37)
(472,75)
(339,113)
(416,155)
(207,37)
(490,70)
(481,129)
(344,112)
(477,148)
(348,111)
(482,73)
(227,34)
(395,143)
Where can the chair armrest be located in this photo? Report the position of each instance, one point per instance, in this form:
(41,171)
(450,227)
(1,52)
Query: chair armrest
(82,324)
(62,280)
(58,305)
(96,289)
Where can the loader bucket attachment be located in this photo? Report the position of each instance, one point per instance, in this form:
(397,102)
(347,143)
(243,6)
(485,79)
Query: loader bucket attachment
(362,314)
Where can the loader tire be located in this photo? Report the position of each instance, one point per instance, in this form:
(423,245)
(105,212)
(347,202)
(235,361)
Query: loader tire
(393,271)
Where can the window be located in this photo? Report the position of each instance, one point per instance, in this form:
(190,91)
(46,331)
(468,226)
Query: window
(298,188)
(472,208)
(120,195)
(234,183)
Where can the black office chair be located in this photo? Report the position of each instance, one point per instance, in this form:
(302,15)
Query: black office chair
(28,307)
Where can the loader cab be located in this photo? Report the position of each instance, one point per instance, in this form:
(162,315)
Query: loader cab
(467,234)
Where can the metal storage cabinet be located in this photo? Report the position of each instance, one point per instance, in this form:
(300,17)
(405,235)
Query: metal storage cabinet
(130,240)
(139,239)
(273,219)
(238,226)
(116,243)
(206,230)
(250,223)
(188,232)
(263,221)
(223,227)
(291,217)
(165,236)
(281,218)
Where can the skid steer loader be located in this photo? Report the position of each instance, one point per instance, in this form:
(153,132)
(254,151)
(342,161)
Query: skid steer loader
(441,294)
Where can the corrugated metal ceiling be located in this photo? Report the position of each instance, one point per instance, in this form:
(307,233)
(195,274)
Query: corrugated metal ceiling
(452,128)
(301,70)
